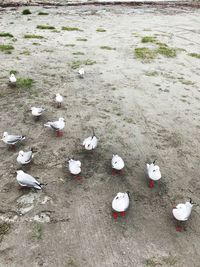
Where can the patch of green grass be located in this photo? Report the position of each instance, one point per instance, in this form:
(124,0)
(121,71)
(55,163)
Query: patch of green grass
(194,55)
(37,231)
(25,52)
(107,47)
(89,62)
(100,30)
(78,53)
(6,34)
(26,12)
(24,83)
(43,13)
(33,36)
(4,229)
(145,53)
(148,39)
(152,262)
(166,51)
(45,27)
(13,71)
(70,45)
(81,39)
(71,29)
(151,73)
(77,63)
(170,260)
(36,44)
(6,48)
(55,31)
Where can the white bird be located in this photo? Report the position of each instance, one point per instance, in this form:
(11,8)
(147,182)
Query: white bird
(182,212)
(75,167)
(26,180)
(154,173)
(56,125)
(120,204)
(25,157)
(117,164)
(81,72)
(12,139)
(90,142)
(59,99)
(37,112)
(12,79)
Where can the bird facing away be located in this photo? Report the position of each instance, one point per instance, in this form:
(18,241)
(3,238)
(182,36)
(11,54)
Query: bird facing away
(26,180)
(154,173)
(182,213)
(81,72)
(90,142)
(37,112)
(59,99)
(117,164)
(58,126)
(120,204)
(25,157)
(75,167)
(12,140)
(12,79)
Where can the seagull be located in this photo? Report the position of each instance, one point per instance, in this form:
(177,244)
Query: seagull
(57,126)
(90,142)
(81,72)
(25,157)
(12,139)
(26,180)
(182,213)
(37,112)
(75,168)
(153,173)
(12,79)
(117,164)
(120,204)
(59,100)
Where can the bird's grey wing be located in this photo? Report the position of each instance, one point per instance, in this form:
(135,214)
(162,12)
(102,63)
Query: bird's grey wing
(28,156)
(13,138)
(54,125)
(40,110)
(28,180)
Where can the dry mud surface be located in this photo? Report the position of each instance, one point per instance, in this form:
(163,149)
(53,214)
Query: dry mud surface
(140,110)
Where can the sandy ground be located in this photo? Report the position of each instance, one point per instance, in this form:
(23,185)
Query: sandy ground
(140,110)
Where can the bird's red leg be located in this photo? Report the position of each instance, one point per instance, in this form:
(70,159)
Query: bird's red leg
(122,172)
(13,147)
(115,215)
(113,172)
(179,228)
(151,183)
(78,177)
(123,213)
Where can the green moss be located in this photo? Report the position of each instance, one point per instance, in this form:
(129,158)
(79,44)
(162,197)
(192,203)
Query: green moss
(36,44)
(6,48)
(4,229)
(45,27)
(144,53)
(194,55)
(166,51)
(33,36)
(100,30)
(6,34)
(26,12)
(81,39)
(78,53)
(148,39)
(107,47)
(71,29)
(77,63)
(24,83)
(43,14)
(37,231)
(13,71)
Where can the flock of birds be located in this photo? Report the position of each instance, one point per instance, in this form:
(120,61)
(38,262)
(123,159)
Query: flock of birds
(120,203)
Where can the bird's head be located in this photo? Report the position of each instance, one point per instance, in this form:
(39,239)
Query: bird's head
(5,134)
(61,119)
(21,152)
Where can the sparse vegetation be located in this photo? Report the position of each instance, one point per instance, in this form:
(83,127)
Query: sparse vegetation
(33,36)
(26,12)
(7,49)
(152,262)
(6,34)
(45,27)
(100,30)
(25,52)
(170,260)
(194,55)
(36,44)
(186,82)
(68,45)
(78,53)
(107,47)
(81,39)
(71,29)
(24,83)
(77,63)
(4,229)
(13,71)
(151,73)
(145,53)
(43,13)
(37,231)
(148,39)
(71,262)
(166,51)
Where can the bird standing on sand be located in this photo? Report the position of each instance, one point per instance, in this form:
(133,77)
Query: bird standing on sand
(90,142)
(154,173)
(81,72)
(182,212)
(58,126)
(26,180)
(75,168)
(37,112)
(59,99)
(12,79)
(117,164)
(12,140)
(25,157)
(120,204)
